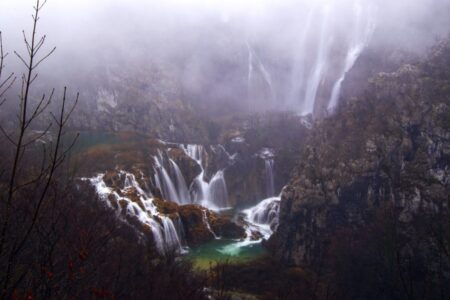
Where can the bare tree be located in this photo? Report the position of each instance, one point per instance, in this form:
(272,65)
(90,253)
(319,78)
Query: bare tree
(25,181)
(5,84)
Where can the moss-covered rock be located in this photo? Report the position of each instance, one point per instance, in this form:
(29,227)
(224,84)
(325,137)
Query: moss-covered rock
(166,207)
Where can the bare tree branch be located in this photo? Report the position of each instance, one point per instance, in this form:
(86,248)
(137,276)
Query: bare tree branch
(44,58)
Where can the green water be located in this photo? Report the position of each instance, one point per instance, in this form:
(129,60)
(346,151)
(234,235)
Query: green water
(88,139)
(224,250)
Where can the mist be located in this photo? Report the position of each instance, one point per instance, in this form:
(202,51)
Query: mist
(282,54)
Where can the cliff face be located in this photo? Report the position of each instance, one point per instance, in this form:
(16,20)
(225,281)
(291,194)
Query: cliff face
(391,147)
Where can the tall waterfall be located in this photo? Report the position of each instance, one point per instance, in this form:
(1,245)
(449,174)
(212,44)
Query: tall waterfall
(297,81)
(250,69)
(252,59)
(319,66)
(363,28)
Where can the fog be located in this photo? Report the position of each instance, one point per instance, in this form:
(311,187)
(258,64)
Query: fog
(280,54)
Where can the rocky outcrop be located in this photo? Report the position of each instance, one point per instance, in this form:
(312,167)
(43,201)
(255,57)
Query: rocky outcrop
(202,225)
(389,148)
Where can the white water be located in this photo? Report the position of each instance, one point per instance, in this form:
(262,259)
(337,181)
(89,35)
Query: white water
(171,239)
(208,226)
(265,213)
(250,69)
(163,181)
(268,156)
(165,234)
(261,219)
(168,232)
(269,177)
(252,55)
(319,66)
(362,31)
(212,194)
(182,190)
(321,61)
(297,81)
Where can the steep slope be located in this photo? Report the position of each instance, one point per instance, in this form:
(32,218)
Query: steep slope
(390,148)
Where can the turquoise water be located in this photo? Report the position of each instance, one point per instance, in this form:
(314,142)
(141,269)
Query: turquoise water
(224,250)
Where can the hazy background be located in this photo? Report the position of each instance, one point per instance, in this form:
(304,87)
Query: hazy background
(198,50)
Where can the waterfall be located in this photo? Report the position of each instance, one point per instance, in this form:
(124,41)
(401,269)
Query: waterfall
(266,212)
(321,60)
(131,182)
(298,72)
(268,156)
(212,194)
(208,226)
(269,177)
(263,218)
(250,69)
(360,38)
(171,239)
(217,190)
(131,200)
(164,182)
(318,66)
(157,235)
(262,69)
(182,190)
(167,237)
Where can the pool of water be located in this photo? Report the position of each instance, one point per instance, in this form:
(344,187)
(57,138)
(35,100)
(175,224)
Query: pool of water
(225,250)
(88,139)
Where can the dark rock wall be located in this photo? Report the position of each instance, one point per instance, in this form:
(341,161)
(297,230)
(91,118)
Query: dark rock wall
(390,146)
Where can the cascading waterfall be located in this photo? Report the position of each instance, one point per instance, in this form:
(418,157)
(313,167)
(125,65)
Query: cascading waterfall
(131,182)
(261,219)
(362,31)
(167,231)
(265,213)
(212,194)
(167,237)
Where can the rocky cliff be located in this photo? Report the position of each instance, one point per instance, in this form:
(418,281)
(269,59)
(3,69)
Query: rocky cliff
(390,147)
